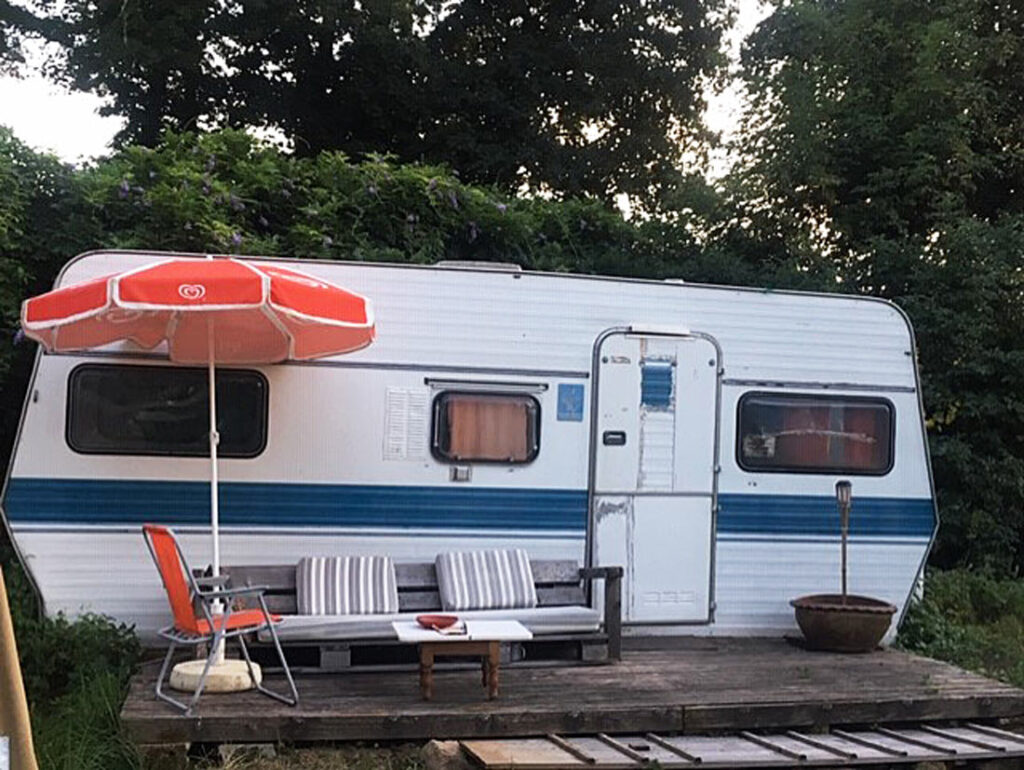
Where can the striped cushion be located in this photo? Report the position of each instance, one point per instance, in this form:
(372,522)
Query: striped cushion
(484,580)
(346,585)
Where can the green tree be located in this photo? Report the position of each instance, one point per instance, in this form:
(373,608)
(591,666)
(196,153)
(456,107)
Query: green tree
(885,144)
(581,97)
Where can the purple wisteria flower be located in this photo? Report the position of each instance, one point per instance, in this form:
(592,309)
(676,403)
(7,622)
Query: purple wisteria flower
(501,207)
(236,239)
(123,189)
(19,336)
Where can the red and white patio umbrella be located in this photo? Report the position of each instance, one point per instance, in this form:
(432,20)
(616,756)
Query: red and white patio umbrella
(207,311)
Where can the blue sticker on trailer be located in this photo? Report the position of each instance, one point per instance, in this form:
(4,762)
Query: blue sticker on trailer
(656,384)
(570,403)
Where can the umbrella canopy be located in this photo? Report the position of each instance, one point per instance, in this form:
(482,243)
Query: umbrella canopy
(257,313)
(207,311)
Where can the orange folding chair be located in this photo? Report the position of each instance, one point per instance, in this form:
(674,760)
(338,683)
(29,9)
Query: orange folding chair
(189,628)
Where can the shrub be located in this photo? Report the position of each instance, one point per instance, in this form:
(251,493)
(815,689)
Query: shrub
(970,619)
(76,674)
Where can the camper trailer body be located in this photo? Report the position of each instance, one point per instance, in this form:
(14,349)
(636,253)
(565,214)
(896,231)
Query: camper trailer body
(692,434)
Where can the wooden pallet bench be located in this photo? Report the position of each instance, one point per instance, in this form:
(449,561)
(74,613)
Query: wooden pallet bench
(559,583)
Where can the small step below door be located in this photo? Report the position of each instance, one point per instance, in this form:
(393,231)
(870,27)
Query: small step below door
(654,472)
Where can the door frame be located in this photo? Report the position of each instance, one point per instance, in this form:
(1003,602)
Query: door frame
(641,330)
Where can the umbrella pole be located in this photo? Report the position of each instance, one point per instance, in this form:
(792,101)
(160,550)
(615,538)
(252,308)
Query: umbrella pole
(214,480)
(230,675)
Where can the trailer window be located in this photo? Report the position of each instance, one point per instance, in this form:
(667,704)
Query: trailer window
(814,434)
(486,427)
(164,410)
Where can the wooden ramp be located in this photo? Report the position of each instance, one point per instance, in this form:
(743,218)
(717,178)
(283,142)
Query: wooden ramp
(839,748)
(693,686)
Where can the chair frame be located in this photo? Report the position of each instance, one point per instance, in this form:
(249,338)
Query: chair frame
(211,601)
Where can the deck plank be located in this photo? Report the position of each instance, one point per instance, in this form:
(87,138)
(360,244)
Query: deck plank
(695,686)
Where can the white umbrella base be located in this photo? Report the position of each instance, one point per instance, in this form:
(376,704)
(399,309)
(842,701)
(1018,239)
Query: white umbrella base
(227,676)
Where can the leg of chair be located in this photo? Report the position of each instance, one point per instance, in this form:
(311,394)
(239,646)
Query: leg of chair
(218,638)
(280,654)
(160,681)
(294,700)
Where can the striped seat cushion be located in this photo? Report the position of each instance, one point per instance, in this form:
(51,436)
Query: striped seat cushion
(346,585)
(485,580)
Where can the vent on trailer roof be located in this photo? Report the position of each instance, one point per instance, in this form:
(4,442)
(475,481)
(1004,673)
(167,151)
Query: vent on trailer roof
(479,264)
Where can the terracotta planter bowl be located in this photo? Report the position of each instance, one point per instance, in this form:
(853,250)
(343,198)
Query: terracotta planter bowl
(829,624)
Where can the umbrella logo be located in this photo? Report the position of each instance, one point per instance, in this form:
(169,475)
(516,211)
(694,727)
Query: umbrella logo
(192,290)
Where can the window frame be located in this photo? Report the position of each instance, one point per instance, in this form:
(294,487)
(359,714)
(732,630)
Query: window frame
(70,414)
(435,428)
(816,471)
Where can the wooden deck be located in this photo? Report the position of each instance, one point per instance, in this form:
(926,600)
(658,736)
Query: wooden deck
(689,686)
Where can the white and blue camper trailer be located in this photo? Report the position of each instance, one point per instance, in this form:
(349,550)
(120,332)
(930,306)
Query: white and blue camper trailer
(693,434)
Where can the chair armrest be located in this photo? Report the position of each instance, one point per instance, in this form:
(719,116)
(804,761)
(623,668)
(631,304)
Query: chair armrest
(612,577)
(227,593)
(211,580)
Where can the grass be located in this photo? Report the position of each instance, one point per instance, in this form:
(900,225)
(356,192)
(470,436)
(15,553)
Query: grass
(406,757)
(82,731)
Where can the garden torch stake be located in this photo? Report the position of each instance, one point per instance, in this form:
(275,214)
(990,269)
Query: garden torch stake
(844,495)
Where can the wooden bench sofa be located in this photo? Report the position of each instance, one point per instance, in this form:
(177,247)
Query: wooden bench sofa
(563,624)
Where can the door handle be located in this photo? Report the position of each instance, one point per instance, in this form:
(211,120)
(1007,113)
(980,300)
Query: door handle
(614,438)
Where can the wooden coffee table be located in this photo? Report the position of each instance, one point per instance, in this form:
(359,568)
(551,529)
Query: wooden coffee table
(482,639)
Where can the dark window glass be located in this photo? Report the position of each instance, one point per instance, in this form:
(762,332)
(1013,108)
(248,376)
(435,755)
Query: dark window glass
(164,410)
(486,427)
(812,434)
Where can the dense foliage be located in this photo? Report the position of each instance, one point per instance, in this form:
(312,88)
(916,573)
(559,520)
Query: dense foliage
(885,144)
(225,192)
(588,96)
(972,619)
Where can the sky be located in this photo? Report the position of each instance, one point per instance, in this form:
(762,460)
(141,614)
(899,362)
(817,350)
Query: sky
(67,123)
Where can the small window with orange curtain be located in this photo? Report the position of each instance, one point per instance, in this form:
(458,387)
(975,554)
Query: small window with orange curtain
(486,427)
(801,433)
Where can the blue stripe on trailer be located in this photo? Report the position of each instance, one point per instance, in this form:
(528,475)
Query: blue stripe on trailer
(818,515)
(90,501)
(188,502)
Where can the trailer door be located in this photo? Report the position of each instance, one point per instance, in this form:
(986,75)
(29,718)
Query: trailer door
(653,472)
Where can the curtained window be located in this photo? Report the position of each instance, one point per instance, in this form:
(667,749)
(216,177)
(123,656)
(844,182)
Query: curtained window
(486,427)
(815,434)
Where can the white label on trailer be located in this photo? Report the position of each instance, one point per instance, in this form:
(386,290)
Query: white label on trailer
(406,419)
(5,753)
